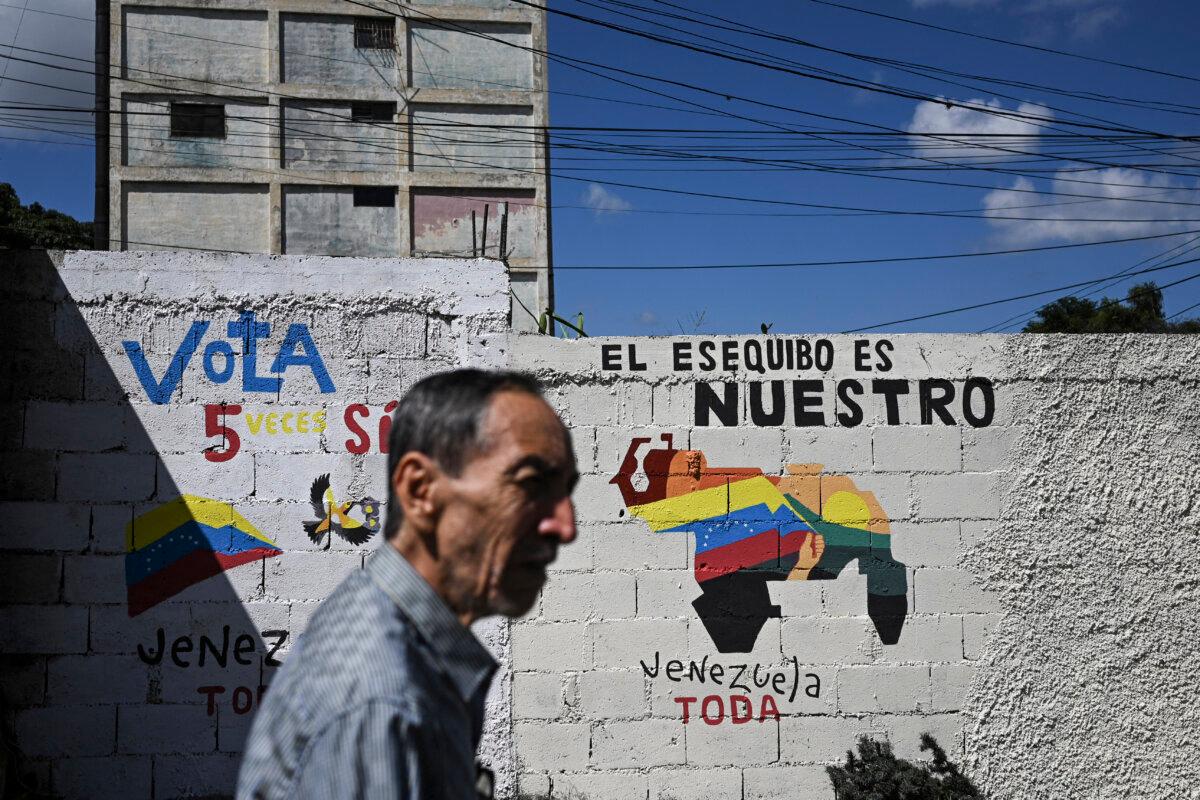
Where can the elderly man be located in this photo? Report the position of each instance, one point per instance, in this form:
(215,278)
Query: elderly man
(383,696)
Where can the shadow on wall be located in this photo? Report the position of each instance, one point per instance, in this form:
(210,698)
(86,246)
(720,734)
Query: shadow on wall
(129,660)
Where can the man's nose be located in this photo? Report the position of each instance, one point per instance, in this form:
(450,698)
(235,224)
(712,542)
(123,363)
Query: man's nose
(560,522)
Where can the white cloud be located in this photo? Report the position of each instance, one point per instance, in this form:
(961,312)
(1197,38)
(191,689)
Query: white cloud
(1120,188)
(961,123)
(602,201)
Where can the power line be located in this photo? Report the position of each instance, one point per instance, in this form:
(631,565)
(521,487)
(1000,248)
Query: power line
(998,40)
(1028,295)
(848,262)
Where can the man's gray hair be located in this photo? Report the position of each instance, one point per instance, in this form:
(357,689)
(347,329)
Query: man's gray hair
(441,417)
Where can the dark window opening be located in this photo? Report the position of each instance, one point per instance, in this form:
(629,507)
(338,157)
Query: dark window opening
(198,119)
(374,196)
(374,33)
(372,112)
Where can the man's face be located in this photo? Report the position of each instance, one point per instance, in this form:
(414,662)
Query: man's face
(505,515)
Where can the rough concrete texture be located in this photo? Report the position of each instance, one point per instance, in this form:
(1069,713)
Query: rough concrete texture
(472,55)
(1042,543)
(1051,620)
(324,219)
(205,216)
(113,693)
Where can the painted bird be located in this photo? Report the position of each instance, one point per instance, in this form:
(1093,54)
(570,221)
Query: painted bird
(334,517)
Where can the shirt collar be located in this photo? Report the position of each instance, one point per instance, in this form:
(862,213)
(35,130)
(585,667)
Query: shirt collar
(463,659)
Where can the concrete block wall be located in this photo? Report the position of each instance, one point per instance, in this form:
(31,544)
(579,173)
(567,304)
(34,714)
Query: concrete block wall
(109,701)
(1034,641)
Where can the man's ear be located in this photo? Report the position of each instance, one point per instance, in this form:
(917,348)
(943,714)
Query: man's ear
(414,483)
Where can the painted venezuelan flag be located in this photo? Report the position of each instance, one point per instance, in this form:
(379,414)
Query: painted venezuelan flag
(184,542)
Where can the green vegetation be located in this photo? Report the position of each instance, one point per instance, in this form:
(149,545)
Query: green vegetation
(876,774)
(34,226)
(1140,312)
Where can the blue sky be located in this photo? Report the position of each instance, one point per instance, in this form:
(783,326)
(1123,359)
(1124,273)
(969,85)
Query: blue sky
(598,224)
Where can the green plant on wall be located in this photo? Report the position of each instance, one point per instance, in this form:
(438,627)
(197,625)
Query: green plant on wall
(876,774)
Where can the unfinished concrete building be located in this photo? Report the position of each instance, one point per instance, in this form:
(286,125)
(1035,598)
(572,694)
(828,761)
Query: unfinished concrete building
(327,127)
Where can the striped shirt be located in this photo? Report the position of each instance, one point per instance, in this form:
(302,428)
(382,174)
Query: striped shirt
(382,697)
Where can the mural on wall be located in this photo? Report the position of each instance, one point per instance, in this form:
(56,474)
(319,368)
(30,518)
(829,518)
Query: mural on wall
(752,528)
(334,517)
(183,542)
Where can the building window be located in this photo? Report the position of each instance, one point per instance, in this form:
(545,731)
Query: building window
(374,33)
(372,112)
(374,196)
(198,120)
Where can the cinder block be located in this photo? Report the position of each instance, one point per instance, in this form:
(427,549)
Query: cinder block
(927,544)
(596,500)
(45,375)
(550,647)
(635,403)
(612,443)
(798,598)
(786,783)
(23,679)
(741,447)
(102,778)
(969,495)
(49,630)
(576,556)
(207,775)
(971,532)
(988,449)
(745,744)
(767,647)
(926,638)
(951,591)
(150,729)
(836,449)
(631,745)
(12,423)
(976,628)
(192,474)
(30,578)
(822,739)
(598,595)
(917,448)
(904,732)
(106,477)
(290,476)
(537,695)
(94,578)
(108,527)
(950,684)
(891,689)
(583,445)
(96,678)
(232,730)
(607,695)
(74,427)
(394,333)
(631,545)
(60,731)
(29,475)
(846,595)
(675,404)
(695,784)
(112,630)
(182,684)
(308,576)
(621,644)
(667,593)
(600,786)
(892,490)
(588,404)
(533,784)
(841,640)
(551,746)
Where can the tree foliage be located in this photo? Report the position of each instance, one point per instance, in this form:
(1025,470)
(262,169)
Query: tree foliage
(1140,312)
(876,774)
(35,226)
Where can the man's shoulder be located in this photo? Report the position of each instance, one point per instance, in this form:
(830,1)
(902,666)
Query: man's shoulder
(359,647)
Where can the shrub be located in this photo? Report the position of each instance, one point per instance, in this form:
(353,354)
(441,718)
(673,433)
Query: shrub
(876,774)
